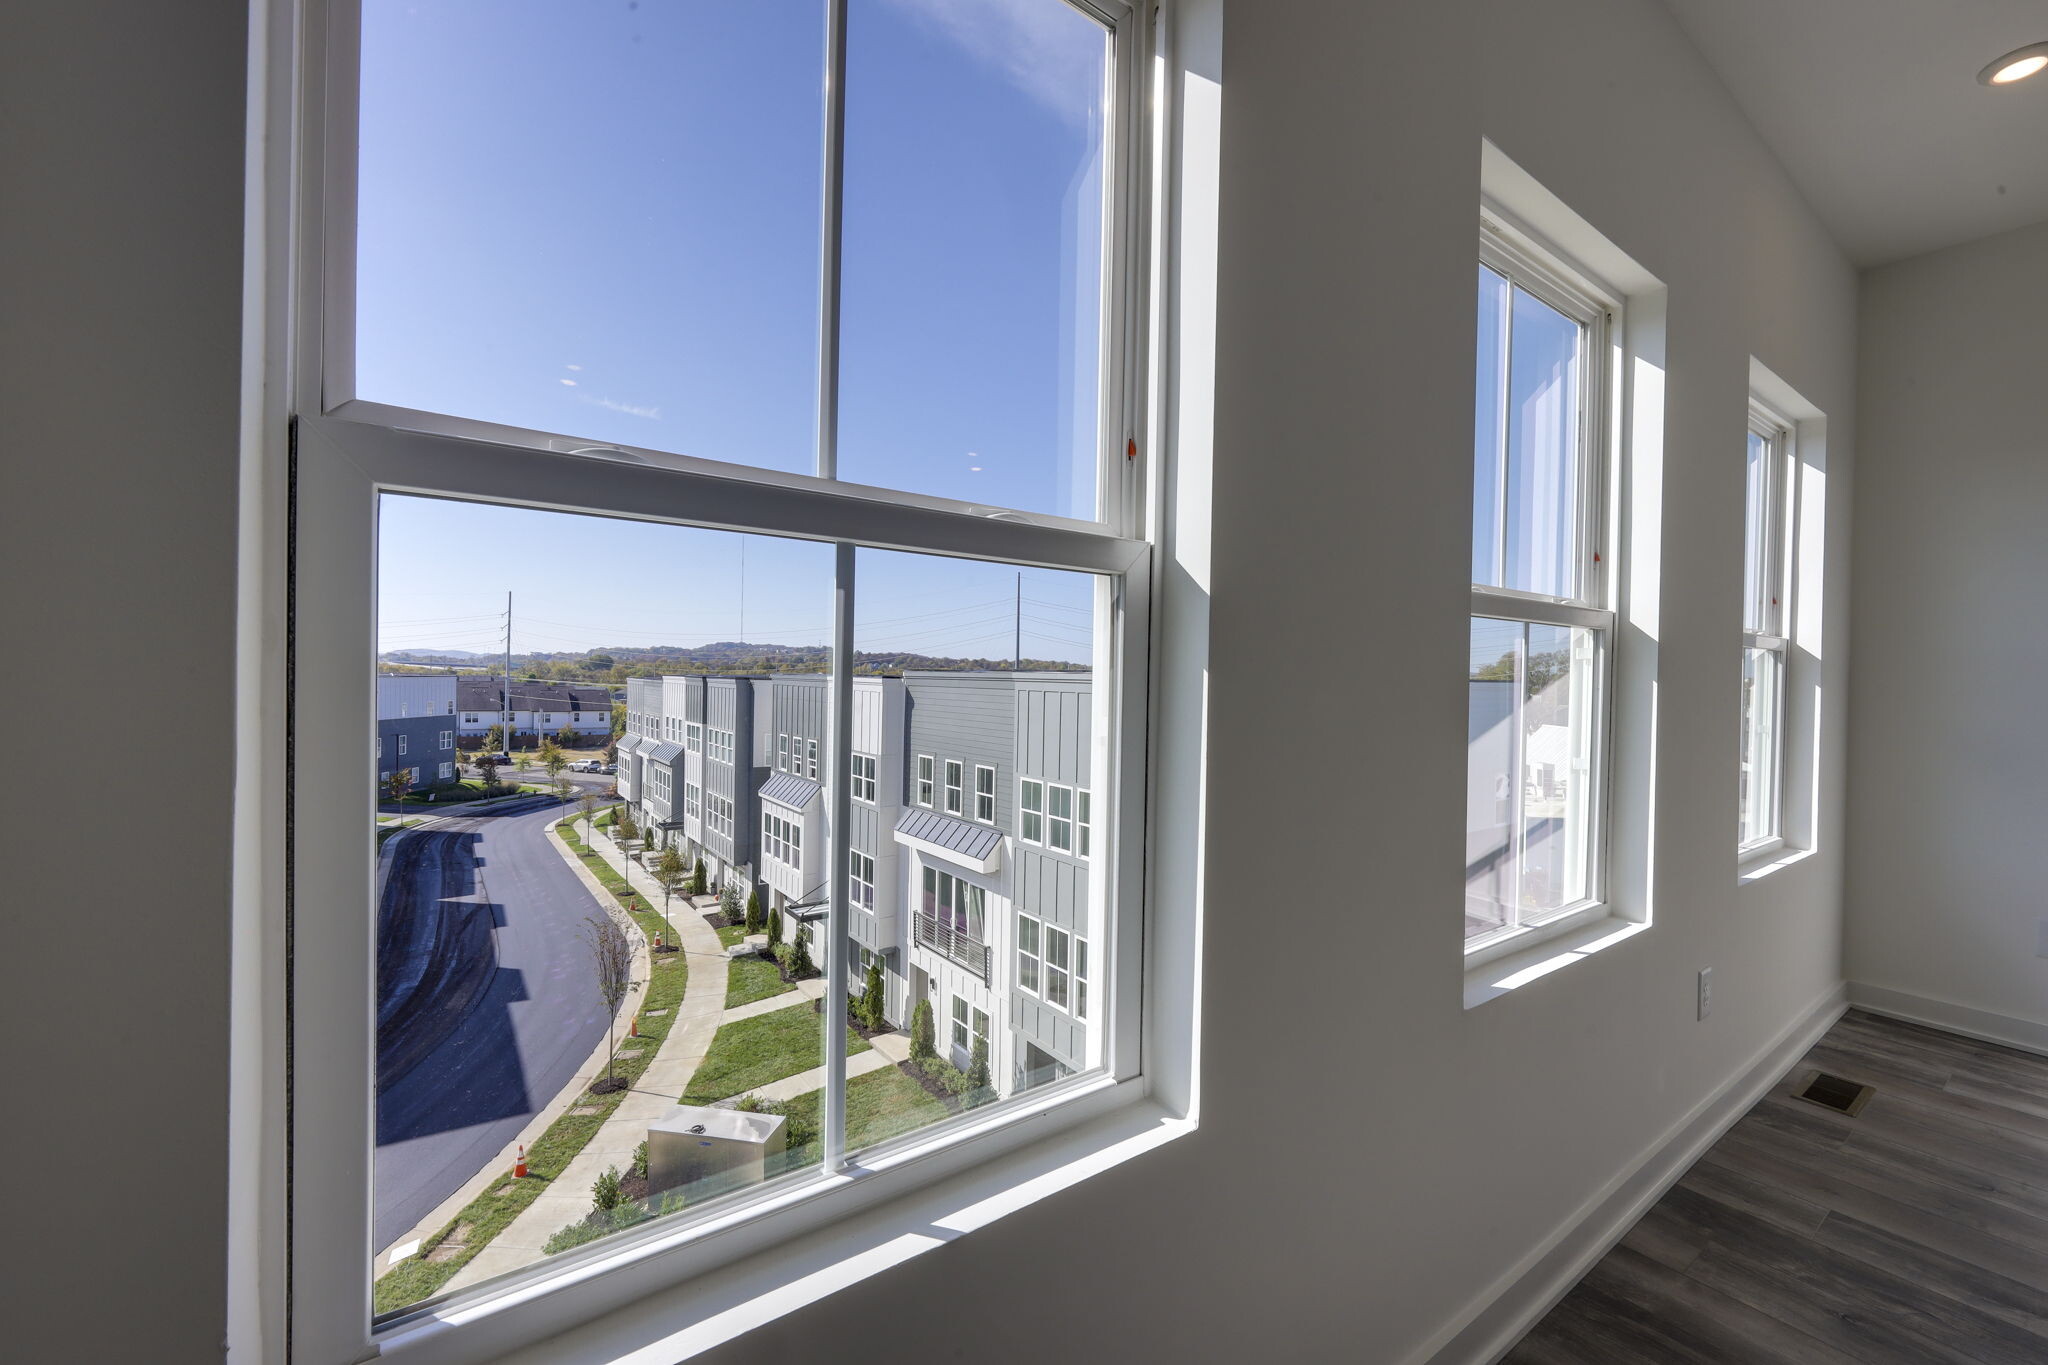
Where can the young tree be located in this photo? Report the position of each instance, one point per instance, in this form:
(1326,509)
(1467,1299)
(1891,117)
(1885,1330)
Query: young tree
(774,926)
(697,877)
(922,1048)
(566,736)
(800,964)
(487,769)
(754,920)
(522,762)
(494,739)
(605,1194)
(626,830)
(977,1069)
(871,998)
(668,874)
(396,786)
(586,806)
(611,955)
(563,786)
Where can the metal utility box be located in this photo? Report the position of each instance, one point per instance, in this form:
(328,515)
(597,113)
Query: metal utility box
(711,1151)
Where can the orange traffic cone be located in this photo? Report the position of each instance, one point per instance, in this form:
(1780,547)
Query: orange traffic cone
(634,1032)
(519,1166)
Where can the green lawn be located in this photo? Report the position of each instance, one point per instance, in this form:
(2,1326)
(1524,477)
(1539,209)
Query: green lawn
(748,979)
(491,1213)
(731,934)
(880,1105)
(765,1048)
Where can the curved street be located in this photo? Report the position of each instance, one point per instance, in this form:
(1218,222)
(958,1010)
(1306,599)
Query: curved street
(467,1052)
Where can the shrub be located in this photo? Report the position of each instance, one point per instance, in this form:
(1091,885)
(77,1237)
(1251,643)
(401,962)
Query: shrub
(697,877)
(784,955)
(921,1048)
(754,918)
(871,998)
(774,927)
(605,1194)
(640,1161)
(977,1068)
(798,1130)
(800,954)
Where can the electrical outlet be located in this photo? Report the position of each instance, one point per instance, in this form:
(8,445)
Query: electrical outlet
(1706,991)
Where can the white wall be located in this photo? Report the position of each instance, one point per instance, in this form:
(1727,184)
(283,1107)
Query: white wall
(120,264)
(1441,1147)
(1949,889)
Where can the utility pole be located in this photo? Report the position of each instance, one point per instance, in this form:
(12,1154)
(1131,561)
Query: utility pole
(508,672)
(1017,642)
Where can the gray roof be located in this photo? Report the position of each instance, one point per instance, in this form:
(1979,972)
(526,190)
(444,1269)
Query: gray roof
(664,751)
(473,693)
(788,789)
(632,744)
(964,837)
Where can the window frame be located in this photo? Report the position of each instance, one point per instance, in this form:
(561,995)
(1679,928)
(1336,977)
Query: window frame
(927,781)
(348,452)
(1026,812)
(1053,819)
(980,795)
(956,787)
(866,770)
(1772,558)
(1553,278)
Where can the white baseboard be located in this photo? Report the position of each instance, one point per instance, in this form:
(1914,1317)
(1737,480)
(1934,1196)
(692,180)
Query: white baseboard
(1518,1300)
(2025,1034)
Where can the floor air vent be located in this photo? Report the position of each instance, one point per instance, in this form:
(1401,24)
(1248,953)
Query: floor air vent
(1844,1096)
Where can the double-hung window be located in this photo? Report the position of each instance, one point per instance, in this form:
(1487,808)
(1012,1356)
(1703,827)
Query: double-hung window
(1542,620)
(1059,818)
(693,737)
(1082,828)
(1760,774)
(717,338)
(984,794)
(1031,810)
(864,778)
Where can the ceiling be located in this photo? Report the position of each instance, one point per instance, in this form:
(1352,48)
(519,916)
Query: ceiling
(1875,109)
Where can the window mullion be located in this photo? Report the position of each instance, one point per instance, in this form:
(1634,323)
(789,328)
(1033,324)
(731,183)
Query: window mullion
(839,813)
(832,198)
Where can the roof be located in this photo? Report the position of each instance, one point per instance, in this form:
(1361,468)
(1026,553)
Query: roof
(787,789)
(482,694)
(965,840)
(663,751)
(632,744)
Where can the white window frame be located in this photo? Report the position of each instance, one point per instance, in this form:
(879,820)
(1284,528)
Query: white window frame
(1030,950)
(865,768)
(1054,821)
(956,787)
(693,801)
(984,794)
(1051,971)
(351,451)
(782,753)
(1083,819)
(1772,557)
(693,737)
(927,780)
(1029,812)
(401,744)
(861,875)
(1547,274)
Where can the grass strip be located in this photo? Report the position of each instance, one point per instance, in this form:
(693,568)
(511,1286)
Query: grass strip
(879,1105)
(748,979)
(749,1053)
(492,1212)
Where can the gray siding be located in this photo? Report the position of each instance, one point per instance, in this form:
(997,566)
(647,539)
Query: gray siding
(422,746)
(1051,1030)
(967,717)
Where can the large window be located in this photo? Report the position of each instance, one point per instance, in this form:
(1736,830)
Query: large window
(1760,775)
(1542,619)
(984,793)
(657,287)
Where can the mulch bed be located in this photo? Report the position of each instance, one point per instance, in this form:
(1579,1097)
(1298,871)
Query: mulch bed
(931,1087)
(606,1085)
(718,919)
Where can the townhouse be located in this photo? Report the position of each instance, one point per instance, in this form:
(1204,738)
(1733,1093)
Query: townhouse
(539,710)
(416,728)
(969,840)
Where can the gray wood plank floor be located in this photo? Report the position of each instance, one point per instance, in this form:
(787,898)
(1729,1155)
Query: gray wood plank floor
(1914,1232)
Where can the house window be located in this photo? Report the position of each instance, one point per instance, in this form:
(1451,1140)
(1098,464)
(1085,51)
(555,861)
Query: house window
(693,737)
(693,800)
(924,779)
(1058,967)
(401,744)
(1059,818)
(1031,810)
(953,775)
(970,1026)
(864,778)
(447,739)
(447,771)
(1765,630)
(782,839)
(782,753)
(1082,824)
(1080,978)
(403,260)
(1028,951)
(861,871)
(984,794)
(1542,622)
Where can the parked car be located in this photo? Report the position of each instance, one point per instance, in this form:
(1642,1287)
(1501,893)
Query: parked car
(586,765)
(609,768)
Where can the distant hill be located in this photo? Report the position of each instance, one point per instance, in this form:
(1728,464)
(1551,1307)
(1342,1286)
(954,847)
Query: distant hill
(615,665)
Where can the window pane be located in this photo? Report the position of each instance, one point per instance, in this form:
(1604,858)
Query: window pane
(491,1006)
(1489,409)
(979,936)
(972,272)
(1757,774)
(1757,615)
(1532,709)
(547,233)
(1542,507)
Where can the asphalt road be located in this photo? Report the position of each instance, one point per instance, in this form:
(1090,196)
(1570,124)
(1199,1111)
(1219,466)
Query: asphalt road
(480,1080)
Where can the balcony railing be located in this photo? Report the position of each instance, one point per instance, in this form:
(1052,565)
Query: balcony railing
(956,945)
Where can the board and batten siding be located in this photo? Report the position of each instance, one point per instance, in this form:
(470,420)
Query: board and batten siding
(967,718)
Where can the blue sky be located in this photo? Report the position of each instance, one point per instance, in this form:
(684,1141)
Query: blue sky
(603,219)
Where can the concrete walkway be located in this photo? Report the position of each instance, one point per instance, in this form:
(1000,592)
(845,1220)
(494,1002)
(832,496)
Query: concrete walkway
(813,989)
(804,1082)
(696,1022)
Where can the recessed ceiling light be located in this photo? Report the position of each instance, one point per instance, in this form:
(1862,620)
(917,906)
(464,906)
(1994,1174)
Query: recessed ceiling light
(2016,65)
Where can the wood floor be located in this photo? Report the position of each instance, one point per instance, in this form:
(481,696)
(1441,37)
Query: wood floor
(1915,1232)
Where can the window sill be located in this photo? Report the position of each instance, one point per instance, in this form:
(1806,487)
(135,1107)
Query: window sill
(1496,977)
(1757,863)
(672,1297)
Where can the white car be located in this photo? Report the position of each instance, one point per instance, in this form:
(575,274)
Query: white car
(586,765)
